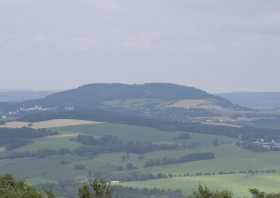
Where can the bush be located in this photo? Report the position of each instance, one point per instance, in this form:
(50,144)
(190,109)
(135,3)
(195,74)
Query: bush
(10,188)
(97,189)
(204,192)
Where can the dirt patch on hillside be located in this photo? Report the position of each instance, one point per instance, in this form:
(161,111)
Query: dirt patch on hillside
(14,125)
(48,124)
(60,123)
(72,135)
(196,104)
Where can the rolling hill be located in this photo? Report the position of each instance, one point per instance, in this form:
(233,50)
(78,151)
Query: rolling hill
(100,94)
(154,100)
(140,136)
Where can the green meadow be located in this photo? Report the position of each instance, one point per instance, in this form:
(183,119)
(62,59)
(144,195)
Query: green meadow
(228,157)
(122,131)
(239,184)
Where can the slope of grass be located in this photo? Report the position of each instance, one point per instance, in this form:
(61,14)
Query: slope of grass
(124,132)
(50,143)
(239,184)
(50,168)
(265,123)
(228,158)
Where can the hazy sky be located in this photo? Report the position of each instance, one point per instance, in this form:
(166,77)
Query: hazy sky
(216,45)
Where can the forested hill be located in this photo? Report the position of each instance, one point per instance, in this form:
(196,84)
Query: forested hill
(154,100)
(97,94)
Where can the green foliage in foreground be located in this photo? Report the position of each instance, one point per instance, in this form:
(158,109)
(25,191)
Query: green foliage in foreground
(258,194)
(204,192)
(98,189)
(10,188)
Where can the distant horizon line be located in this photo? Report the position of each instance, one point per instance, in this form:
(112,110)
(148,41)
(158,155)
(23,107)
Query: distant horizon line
(75,87)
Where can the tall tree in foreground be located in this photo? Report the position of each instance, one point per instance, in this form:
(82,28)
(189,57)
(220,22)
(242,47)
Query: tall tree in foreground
(97,189)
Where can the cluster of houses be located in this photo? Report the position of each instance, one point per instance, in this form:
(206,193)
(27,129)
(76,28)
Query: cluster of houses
(269,146)
(35,108)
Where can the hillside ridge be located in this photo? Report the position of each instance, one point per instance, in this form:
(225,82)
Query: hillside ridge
(100,92)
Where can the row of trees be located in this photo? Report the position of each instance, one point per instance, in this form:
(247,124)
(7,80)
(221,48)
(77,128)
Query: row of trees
(110,143)
(12,138)
(186,158)
(155,122)
(94,146)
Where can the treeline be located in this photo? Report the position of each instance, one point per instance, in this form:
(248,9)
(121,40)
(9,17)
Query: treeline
(69,189)
(110,143)
(186,158)
(93,146)
(243,172)
(183,136)
(35,154)
(167,125)
(136,176)
(13,138)
(126,192)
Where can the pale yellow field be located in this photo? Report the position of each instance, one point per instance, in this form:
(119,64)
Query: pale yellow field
(201,104)
(222,124)
(70,135)
(47,124)
(14,125)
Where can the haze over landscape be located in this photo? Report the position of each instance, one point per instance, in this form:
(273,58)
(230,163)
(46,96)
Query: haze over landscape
(219,46)
(139,99)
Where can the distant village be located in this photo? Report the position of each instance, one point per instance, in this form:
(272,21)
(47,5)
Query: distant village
(261,145)
(35,108)
(273,145)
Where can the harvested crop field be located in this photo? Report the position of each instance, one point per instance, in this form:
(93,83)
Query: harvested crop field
(48,124)
(14,125)
(194,104)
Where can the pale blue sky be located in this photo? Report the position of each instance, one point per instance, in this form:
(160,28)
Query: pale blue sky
(215,45)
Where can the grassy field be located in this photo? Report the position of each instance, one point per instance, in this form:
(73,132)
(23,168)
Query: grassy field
(229,157)
(265,123)
(239,184)
(54,168)
(51,168)
(50,143)
(124,132)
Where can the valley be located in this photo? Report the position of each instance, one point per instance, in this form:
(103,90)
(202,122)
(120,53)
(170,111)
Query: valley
(162,141)
(231,163)
(139,99)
